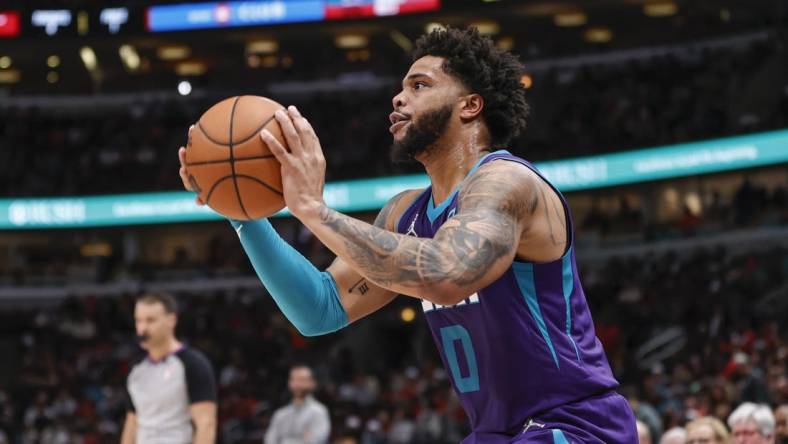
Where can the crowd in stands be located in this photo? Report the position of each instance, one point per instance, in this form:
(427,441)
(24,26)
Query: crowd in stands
(586,109)
(750,205)
(686,334)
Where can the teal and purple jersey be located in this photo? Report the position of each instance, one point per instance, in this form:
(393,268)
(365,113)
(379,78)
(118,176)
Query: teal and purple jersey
(521,346)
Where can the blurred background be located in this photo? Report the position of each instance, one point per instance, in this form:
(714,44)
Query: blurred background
(665,122)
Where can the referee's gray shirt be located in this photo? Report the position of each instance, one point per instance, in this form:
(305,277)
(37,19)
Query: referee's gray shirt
(160,393)
(307,423)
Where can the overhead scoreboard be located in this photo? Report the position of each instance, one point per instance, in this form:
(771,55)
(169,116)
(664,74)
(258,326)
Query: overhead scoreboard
(90,21)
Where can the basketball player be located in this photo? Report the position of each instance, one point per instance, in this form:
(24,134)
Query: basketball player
(487,247)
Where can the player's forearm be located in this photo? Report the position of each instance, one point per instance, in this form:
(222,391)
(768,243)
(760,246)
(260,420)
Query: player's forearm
(307,297)
(431,269)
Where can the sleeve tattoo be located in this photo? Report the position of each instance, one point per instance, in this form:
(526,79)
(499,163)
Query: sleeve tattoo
(492,208)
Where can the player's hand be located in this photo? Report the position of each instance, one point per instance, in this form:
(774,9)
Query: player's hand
(303,166)
(184,173)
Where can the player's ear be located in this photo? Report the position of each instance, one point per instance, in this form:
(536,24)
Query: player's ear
(471,105)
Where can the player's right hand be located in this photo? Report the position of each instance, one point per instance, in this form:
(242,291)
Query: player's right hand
(184,173)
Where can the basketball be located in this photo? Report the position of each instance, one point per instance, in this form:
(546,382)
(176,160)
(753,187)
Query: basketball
(230,167)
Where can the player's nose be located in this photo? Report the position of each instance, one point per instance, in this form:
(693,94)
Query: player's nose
(398,101)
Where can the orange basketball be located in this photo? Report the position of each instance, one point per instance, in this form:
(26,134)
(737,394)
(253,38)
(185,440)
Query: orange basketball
(229,165)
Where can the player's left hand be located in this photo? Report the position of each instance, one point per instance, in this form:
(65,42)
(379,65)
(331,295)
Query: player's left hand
(303,166)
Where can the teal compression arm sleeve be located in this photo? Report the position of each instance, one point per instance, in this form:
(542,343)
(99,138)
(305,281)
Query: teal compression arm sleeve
(307,297)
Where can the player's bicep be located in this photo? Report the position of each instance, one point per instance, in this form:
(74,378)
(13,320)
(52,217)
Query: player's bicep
(480,242)
(358,296)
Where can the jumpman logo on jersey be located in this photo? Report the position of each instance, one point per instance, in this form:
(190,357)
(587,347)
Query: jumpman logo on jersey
(238,230)
(412,229)
(532,423)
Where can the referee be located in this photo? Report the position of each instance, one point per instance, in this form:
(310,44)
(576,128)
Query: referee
(172,391)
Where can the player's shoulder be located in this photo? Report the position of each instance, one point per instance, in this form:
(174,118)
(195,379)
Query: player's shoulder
(395,207)
(501,177)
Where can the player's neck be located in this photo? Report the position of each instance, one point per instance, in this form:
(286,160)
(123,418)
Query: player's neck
(449,163)
(170,346)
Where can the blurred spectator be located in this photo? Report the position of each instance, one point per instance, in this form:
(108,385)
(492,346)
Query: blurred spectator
(752,424)
(304,420)
(676,435)
(781,424)
(644,435)
(707,430)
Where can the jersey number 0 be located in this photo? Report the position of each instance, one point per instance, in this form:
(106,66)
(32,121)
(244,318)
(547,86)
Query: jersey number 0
(449,335)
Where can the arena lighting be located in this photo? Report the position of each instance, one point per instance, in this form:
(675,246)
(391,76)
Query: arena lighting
(88,58)
(53,61)
(408,314)
(9,24)
(270,61)
(52,77)
(431,26)
(5,62)
(10,76)
(96,249)
(184,88)
(598,34)
(173,52)
(114,18)
(191,68)
(660,9)
(83,23)
(129,57)
(357,55)
(351,41)
(51,19)
(505,43)
(527,81)
(253,60)
(264,46)
(486,27)
(401,40)
(570,19)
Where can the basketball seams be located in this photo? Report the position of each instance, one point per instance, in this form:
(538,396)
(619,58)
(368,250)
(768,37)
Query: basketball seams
(232,158)
(244,140)
(237,159)
(215,184)
(261,182)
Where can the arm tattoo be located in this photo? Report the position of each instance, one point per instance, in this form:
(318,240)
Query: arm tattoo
(558,215)
(381,221)
(462,251)
(362,286)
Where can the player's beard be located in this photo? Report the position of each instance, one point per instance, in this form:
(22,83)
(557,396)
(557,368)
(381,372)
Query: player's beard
(421,134)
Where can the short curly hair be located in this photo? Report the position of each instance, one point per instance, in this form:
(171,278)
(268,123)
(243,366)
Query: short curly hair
(486,70)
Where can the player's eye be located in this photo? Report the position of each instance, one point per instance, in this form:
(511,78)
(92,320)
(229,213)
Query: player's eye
(419,85)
